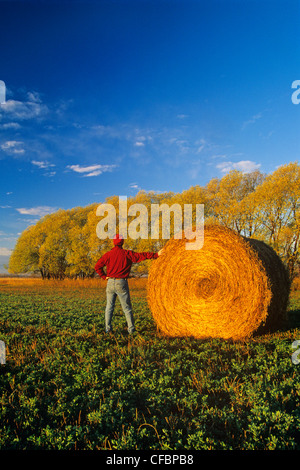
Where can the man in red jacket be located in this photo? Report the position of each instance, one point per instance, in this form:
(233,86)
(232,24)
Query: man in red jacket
(118,264)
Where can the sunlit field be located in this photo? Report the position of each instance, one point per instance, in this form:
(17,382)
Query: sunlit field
(66,385)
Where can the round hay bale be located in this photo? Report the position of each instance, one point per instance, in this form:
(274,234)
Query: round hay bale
(230,288)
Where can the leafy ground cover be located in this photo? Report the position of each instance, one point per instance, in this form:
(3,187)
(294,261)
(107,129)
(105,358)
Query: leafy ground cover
(67,385)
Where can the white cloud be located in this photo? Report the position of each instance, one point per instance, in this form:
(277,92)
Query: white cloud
(9,144)
(139,144)
(34,97)
(42,164)
(24,109)
(92,170)
(252,120)
(38,211)
(12,147)
(134,186)
(246,166)
(10,125)
(5,251)
(199,149)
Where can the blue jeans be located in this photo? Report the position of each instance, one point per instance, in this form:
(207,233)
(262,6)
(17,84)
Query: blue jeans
(114,288)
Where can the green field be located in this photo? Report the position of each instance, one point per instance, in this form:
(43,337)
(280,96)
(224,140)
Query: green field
(67,385)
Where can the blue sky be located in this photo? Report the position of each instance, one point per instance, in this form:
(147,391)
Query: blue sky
(109,97)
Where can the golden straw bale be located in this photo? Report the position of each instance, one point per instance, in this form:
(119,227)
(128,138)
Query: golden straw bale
(230,288)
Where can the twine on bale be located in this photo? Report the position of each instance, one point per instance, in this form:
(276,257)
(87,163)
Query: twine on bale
(230,288)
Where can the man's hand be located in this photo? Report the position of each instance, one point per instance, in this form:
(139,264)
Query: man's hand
(160,252)
(107,278)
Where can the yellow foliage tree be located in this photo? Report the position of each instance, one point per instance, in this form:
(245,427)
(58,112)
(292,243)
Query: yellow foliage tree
(277,203)
(266,207)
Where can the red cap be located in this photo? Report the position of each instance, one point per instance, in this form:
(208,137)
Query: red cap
(118,240)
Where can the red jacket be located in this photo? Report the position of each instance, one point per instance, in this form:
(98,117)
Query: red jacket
(118,262)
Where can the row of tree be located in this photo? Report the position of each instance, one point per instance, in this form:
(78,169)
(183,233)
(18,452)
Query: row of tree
(266,207)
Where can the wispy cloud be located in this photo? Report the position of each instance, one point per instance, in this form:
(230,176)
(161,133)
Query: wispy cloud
(21,110)
(34,97)
(44,165)
(5,251)
(12,147)
(92,170)
(39,211)
(125,133)
(134,186)
(108,131)
(10,125)
(252,120)
(246,166)
(194,169)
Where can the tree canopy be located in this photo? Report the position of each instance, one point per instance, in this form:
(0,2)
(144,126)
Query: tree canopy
(266,207)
